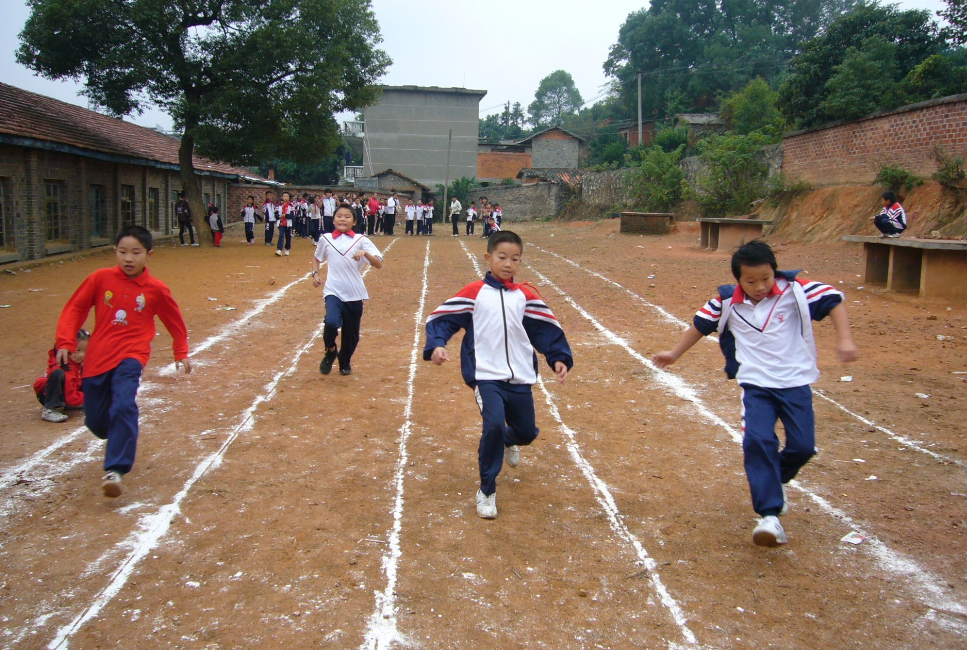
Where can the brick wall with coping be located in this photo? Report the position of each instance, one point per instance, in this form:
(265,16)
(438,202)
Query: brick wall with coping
(854,152)
(523,202)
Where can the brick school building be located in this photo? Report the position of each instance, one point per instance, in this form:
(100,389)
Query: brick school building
(71,177)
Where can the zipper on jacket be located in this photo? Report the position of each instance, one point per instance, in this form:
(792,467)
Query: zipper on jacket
(503,313)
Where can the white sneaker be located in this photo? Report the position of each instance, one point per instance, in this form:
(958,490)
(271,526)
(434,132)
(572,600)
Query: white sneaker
(769,532)
(50,415)
(785,502)
(184,244)
(278,253)
(196,244)
(287,251)
(486,506)
(111,484)
(512,455)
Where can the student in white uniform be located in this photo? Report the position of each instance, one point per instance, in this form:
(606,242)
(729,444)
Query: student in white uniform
(348,254)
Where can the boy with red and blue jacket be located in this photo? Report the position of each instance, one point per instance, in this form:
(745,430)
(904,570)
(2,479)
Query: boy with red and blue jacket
(765,331)
(505,323)
(60,388)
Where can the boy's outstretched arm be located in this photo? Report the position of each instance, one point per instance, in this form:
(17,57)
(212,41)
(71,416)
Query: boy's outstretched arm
(668,357)
(845,346)
(72,319)
(170,316)
(448,319)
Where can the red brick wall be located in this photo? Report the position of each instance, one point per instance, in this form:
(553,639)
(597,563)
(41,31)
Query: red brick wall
(855,151)
(497,165)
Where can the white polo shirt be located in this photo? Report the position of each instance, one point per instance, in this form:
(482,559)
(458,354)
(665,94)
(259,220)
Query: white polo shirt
(769,342)
(344,279)
(410,212)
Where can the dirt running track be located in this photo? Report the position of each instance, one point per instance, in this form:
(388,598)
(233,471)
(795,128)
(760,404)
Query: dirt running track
(272,507)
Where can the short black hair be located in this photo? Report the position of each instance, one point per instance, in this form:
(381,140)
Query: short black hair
(181,194)
(142,234)
(83,335)
(502,237)
(753,253)
(250,197)
(889,196)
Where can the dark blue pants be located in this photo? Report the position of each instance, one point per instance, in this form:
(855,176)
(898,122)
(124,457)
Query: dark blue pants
(345,316)
(111,413)
(508,419)
(269,231)
(328,225)
(885,226)
(766,466)
(285,237)
(314,229)
(249,232)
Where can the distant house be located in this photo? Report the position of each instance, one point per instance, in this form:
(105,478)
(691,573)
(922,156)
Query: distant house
(700,125)
(552,148)
(409,131)
(630,133)
(70,177)
(391,181)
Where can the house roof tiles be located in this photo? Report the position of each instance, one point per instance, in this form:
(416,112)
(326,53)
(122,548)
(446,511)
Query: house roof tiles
(30,119)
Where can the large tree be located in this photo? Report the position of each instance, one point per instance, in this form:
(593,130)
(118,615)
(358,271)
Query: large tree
(556,97)
(244,80)
(804,93)
(690,51)
(956,15)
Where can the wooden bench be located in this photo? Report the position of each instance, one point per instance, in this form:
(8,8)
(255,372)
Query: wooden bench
(730,233)
(647,223)
(934,268)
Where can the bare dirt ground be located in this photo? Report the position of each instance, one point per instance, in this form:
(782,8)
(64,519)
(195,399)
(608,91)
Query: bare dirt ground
(273,507)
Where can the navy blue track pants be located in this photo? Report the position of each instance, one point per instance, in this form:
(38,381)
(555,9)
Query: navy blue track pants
(766,465)
(508,419)
(111,412)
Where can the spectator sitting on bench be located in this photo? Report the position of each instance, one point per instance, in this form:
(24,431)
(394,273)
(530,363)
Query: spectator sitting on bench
(893,219)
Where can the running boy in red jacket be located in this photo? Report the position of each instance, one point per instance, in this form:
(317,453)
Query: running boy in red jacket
(125,298)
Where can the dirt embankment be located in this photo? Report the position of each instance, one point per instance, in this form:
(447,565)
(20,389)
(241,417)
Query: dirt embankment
(829,213)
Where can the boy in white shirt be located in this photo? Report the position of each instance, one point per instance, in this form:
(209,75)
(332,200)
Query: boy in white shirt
(471,217)
(269,213)
(348,254)
(765,331)
(248,218)
(428,219)
(410,217)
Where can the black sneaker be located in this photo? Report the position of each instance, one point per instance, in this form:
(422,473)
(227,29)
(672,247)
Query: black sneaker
(348,370)
(326,366)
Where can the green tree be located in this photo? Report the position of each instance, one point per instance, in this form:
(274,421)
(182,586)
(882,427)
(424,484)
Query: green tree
(556,97)
(864,82)
(754,108)
(460,188)
(936,76)
(244,80)
(734,173)
(956,16)
(803,92)
(655,178)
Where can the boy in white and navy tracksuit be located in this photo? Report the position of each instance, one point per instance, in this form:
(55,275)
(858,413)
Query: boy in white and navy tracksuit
(505,323)
(765,331)
(270,213)
(892,220)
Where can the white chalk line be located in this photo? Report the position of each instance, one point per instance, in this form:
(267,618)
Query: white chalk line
(931,589)
(382,631)
(671,318)
(154,526)
(605,499)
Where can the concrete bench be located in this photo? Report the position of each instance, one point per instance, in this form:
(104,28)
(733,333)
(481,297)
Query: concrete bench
(934,268)
(647,223)
(730,233)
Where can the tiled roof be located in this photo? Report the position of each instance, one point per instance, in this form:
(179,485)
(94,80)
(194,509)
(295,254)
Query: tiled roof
(552,128)
(561,176)
(66,127)
(404,177)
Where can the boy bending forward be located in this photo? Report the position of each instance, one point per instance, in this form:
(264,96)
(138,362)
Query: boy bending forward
(505,323)
(765,330)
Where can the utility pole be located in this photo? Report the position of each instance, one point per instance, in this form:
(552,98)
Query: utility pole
(446,183)
(640,135)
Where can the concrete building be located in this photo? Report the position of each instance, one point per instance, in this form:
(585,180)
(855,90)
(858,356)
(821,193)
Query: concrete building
(408,129)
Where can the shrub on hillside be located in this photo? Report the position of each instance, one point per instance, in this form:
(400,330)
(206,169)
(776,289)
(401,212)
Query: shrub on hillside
(654,181)
(734,174)
(780,186)
(897,177)
(951,172)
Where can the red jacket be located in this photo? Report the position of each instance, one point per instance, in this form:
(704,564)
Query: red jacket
(72,380)
(124,311)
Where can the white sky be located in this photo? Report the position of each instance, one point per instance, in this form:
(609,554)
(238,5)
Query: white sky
(502,46)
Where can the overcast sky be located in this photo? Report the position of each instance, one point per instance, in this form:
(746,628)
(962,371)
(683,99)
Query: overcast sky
(502,46)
